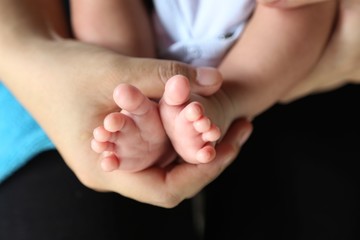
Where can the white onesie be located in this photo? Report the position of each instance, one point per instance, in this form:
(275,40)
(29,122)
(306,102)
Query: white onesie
(199,32)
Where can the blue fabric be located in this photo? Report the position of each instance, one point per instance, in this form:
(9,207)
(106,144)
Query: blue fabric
(21,138)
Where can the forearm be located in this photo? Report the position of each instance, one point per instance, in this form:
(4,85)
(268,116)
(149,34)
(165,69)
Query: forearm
(28,46)
(25,28)
(25,21)
(277,49)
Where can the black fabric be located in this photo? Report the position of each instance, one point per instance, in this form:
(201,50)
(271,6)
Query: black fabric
(45,201)
(297,177)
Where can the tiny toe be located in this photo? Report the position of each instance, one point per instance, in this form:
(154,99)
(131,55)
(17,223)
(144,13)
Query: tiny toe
(206,154)
(114,122)
(124,94)
(119,123)
(131,99)
(110,163)
(101,134)
(177,90)
(212,135)
(194,111)
(100,147)
(202,125)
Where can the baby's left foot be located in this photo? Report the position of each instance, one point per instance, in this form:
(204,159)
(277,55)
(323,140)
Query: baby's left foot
(191,132)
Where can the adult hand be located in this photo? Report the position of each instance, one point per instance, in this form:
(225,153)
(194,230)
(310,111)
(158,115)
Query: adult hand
(79,101)
(76,98)
(340,62)
(67,86)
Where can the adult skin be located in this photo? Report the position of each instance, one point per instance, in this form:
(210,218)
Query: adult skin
(67,86)
(339,64)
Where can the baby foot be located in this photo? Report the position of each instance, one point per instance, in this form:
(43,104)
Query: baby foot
(191,132)
(132,139)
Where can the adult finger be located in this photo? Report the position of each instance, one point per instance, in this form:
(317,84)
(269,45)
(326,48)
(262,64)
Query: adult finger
(288,3)
(203,80)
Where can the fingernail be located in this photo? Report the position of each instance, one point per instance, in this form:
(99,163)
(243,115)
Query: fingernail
(207,76)
(244,136)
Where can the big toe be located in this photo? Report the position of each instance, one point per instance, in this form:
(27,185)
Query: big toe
(177,90)
(131,99)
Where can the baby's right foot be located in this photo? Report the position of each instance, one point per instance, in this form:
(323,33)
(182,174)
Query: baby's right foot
(191,132)
(132,139)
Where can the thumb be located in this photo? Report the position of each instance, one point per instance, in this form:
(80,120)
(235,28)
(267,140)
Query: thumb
(203,80)
(288,3)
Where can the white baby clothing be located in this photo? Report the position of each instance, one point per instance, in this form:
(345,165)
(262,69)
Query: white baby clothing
(199,32)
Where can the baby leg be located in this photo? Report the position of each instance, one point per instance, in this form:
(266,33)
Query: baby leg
(132,139)
(191,132)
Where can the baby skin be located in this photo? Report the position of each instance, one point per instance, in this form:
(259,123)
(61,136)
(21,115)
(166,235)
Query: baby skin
(145,133)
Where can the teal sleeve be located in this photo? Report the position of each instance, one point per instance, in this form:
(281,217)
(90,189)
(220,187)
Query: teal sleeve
(21,138)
